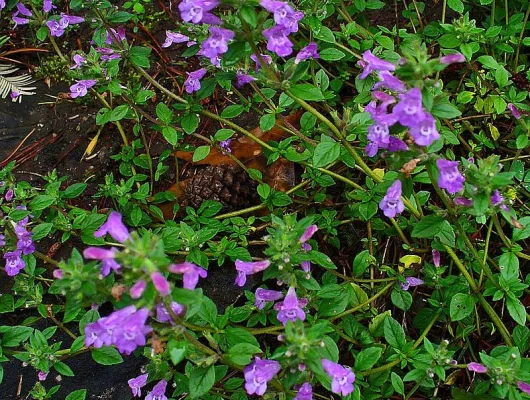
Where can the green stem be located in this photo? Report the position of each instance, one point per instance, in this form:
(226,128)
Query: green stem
(362,305)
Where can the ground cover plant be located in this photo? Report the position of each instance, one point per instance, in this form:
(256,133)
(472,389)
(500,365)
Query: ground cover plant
(364,187)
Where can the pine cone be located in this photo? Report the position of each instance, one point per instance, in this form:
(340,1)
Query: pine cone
(229,185)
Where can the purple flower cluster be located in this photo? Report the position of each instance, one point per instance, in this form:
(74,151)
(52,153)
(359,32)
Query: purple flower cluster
(24,246)
(216,44)
(126,329)
(286,23)
(258,373)
(291,308)
(80,88)
(192,83)
(197,11)
(408,110)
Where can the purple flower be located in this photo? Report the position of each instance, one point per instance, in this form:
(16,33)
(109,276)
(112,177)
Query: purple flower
(14,263)
(265,295)
(515,112)
(72,19)
(284,15)
(2,240)
(309,232)
(124,329)
(78,60)
(80,89)
(21,8)
(2,4)
(395,144)
(378,138)
(305,392)
(47,6)
(477,367)
(450,178)
(409,110)
(14,95)
(198,11)
(25,242)
(225,146)
(243,79)
(158,392)
(119,35)
(258,373)
(114,227)
(99,253)
(371,63)
(172,37)
(524,387)
(192,83)
(191,273)
(379,113)
(342,378)
(306,265)
(9,195)
(462,201)
(136,384)
(453,58)
(138,289)
(277,40)
(57,27)
(410,281)
(389,81)
(109,265)
(160,282)
(57,273)
(290,309)
(266,59)
(436,258)
(391,204)
(245,268)
(19,21)
(425,132)
(42,375)
(216,44)
(310,51)
(163,315)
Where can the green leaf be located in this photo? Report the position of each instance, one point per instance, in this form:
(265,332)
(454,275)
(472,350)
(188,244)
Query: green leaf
(456,5)
(164,113)
(170,134)
(201,381)
(445,110)
(325,34)
(106,356)
(119,113)
(232,111)
(461,306)
(72,191)
(386,42)
(15,335)
(307,92)
(201,153)
(502,77)
(401,299)
(509,265)
(516,309)
(325,153)
(397,383)
(41,202)
(521,234)
(7,304)
(267,121)
(367,358)
(140,56)
(63,369)
(362,261)
(41,231)
(241,353)
(77,395)
(189,123)
(428,227)
(394,334)
(488,62)
(331,55)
